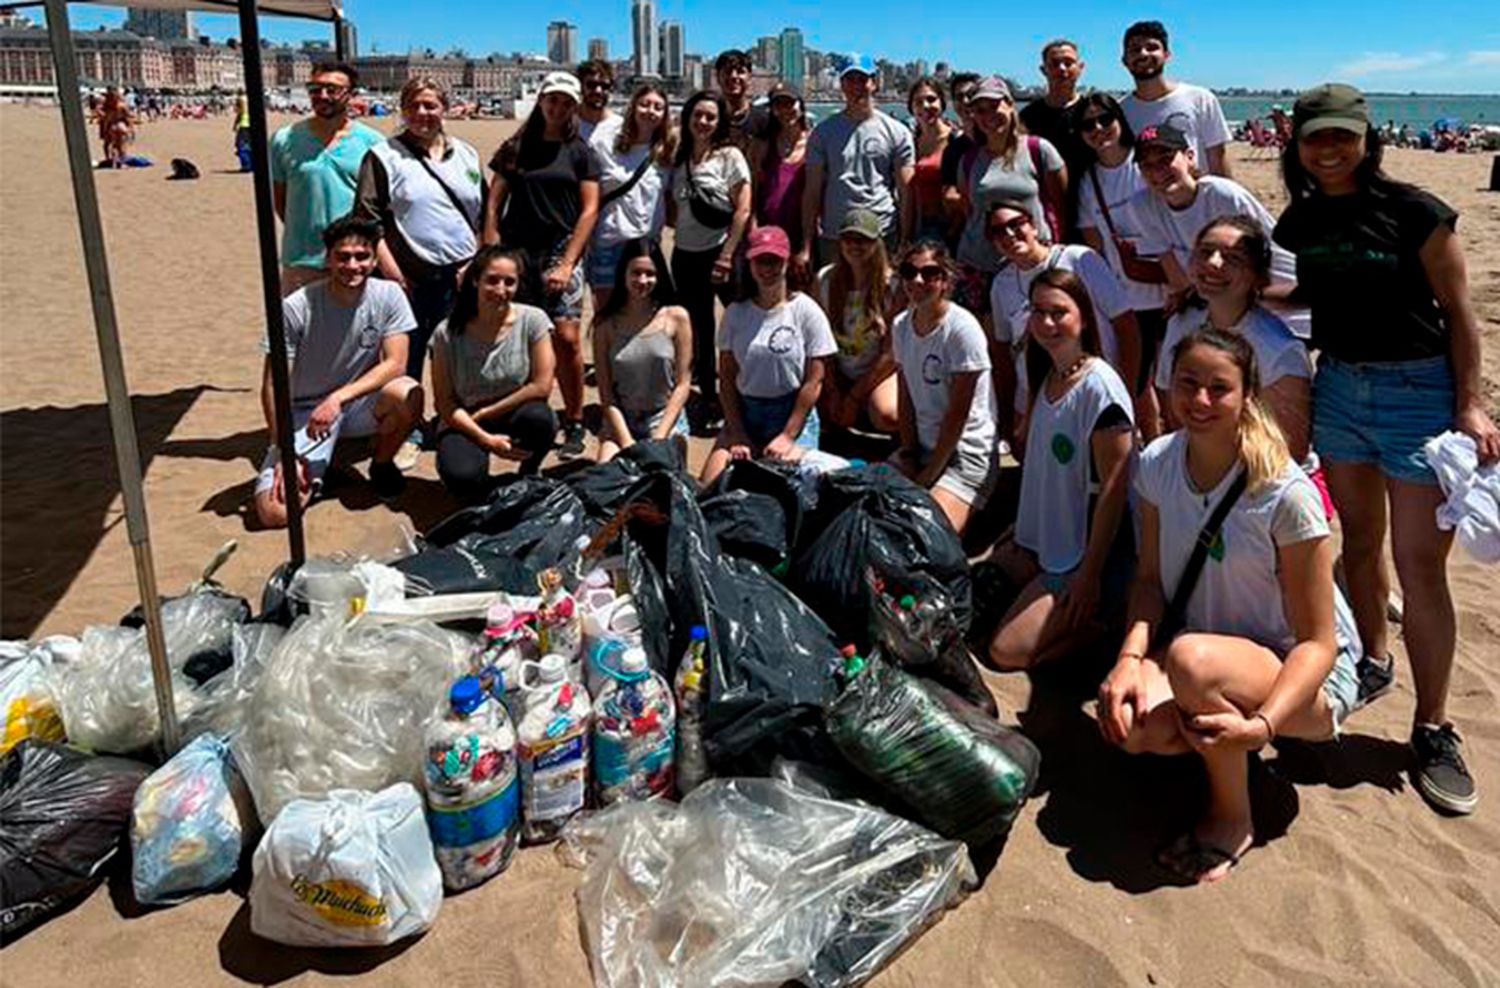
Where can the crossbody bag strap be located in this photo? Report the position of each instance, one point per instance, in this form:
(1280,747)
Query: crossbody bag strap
(422,158)
(630,183)
(1099,198)
(1175,616)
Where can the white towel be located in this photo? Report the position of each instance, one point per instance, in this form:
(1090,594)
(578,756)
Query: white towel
(1473,494)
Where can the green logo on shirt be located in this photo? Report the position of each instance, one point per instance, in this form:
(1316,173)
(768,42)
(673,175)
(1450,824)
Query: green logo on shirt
(1217,549)
(473,175)
(1063,448)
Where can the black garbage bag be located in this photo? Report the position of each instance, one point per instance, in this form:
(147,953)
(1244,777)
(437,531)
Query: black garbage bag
(960,772)
(476,562)
(913,624)
(63,815)
(770,659)
(793,496)
(749,526)
(604,487)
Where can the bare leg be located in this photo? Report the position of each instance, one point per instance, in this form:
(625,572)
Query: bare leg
(398,407)
(1421,553)
(565,337)
(957,511)
(1014,646)
(881,407)
(1359,493)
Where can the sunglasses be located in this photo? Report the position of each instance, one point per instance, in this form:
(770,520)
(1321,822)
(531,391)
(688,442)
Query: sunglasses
(1234,259)
(321,88)
(1097,122)
(596,84)
(927,272)
(1015,228)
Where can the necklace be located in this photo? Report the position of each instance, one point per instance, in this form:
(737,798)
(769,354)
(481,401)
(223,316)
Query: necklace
(1073,368)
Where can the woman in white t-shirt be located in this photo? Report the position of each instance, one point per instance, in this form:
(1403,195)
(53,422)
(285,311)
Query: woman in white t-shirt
(946,397)
(635,171)
(859,292)
(772,349)
(1073,536)
(1229,266)
(1264,645)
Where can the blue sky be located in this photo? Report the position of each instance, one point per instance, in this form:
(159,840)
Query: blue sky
(1386,45)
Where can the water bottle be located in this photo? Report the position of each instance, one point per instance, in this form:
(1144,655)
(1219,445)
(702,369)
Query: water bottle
(558,628)
(692,694)
(553,750)
(473,793)
(634,732)
(507,642)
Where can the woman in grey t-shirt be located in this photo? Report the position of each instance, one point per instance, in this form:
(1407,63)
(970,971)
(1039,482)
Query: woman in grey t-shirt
(492,374)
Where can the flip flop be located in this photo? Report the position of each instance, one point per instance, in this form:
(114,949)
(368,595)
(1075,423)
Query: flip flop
(1189,859)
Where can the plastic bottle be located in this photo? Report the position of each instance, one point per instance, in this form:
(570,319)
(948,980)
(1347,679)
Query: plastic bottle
(854,663)
(473,793)
(553,751)
(506,643)
(558,627)
(607,632)
(634,732)
(691,687)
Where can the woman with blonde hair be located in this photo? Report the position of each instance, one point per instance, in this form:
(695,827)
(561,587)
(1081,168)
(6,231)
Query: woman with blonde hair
(860,293)
(635,170)
(1236,632)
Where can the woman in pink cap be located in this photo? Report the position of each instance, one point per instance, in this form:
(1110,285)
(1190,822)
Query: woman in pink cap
(772,348)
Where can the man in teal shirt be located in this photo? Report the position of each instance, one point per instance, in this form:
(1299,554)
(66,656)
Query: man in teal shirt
(314,171)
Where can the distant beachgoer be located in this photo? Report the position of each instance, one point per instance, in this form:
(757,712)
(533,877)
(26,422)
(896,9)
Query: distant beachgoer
(747,122)
(711,212)
(778,166)
(1012,232)
(1109,181)
(492,367)
(596,78)
(1073,548)
(241,131)
(315,170)
(947,399)
(927,104)
(773,347)
(635,175)
(1264,645)
(643,353)
(116,127)
(1399,362)
(961,90)
(1158,100)
(1008,164)
(346,339)
(544,199)
(1052,116)
(858,158)
(861,294)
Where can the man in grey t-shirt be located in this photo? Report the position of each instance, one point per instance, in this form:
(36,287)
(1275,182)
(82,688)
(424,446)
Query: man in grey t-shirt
(860,158)
(346,339)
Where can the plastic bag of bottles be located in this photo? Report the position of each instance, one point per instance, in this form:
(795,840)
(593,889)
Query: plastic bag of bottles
(960,772)
(221,709)
(755,882)
(63,815)
(27,704)
(913,623)
(344,706)
(189,824)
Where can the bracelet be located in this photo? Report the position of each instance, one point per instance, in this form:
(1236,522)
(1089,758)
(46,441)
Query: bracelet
(1270,730)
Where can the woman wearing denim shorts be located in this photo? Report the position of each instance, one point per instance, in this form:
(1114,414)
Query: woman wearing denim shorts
(1381,265)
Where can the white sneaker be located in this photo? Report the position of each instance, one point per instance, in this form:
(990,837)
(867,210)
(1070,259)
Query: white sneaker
(407,456)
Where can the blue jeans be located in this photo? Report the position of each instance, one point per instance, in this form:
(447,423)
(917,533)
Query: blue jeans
(764,418)
(1382,413)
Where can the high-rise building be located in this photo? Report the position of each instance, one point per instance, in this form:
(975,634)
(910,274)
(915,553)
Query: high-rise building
(562,43)
(598,50)
(348,40)
(672,49)
(767,53)
(163,25)
(793,60)
(643,37)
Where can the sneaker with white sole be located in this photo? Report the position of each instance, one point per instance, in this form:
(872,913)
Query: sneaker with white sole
(1440,774)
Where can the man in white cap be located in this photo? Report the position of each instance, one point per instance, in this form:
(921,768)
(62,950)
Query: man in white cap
(859,158)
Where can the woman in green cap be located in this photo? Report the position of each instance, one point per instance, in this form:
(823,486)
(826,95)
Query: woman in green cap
(861,295)
(1398,364)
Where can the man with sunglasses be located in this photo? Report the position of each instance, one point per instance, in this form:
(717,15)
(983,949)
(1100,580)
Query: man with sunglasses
(1157,100)
(315,171)
(597,78)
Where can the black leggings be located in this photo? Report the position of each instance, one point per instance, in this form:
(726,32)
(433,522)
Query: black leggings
(692,274)
(465,467)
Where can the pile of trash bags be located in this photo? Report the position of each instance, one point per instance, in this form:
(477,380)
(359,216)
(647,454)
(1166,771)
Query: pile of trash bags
(809,616)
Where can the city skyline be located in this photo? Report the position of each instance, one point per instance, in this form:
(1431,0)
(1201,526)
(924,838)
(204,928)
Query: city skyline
(1378,44)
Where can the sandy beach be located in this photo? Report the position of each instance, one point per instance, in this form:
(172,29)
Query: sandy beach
(1357,881)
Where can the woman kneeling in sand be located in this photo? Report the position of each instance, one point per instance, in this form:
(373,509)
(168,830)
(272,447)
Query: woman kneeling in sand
(1266,644)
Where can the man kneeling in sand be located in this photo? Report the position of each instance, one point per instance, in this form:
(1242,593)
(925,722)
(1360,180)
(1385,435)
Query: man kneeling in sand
(346,339)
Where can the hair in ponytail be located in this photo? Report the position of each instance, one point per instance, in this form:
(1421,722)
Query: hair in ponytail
(1263,448)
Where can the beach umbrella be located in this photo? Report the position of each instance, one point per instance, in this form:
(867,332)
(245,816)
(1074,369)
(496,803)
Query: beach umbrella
(96,263)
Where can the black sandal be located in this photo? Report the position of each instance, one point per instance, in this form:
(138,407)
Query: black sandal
(1188,859)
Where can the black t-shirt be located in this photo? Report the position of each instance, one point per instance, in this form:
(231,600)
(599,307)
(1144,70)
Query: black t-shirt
(1045,120)
(1358,267)
(748,126)
(959,145)
(542,198)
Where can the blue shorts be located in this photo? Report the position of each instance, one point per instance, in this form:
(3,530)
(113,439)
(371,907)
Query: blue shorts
(566,304)
(643,424)
(355,421)
(1341,688)
(765,417)
(602,262)
(1382,413)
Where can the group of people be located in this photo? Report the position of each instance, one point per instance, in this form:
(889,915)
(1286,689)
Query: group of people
(1080,284)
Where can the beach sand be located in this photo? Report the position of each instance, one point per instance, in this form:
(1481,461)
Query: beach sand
(1358,881)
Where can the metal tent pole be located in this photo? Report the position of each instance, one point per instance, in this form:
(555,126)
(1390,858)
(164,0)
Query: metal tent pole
(121,418)
(270,272)
(338,38)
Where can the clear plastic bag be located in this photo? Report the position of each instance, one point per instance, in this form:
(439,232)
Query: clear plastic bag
(108,698)
(351,869)
(756,882)
(344,706)
(189,824)
(27,704)
(913,622)
(221,706)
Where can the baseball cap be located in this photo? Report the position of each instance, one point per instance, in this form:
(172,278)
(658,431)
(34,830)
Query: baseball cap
(991,87)
(862,223)
(783,90)
(861,63)
(562,82)
(1164,135)
(1331,105)
(769,240)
